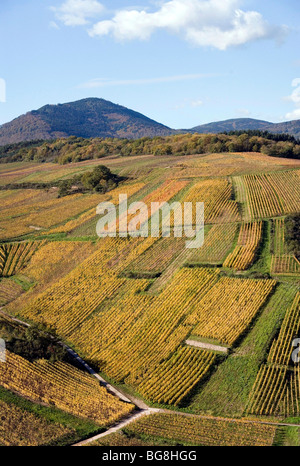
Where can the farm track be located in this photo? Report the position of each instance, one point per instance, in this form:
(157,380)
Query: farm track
(143,408)
(119,426)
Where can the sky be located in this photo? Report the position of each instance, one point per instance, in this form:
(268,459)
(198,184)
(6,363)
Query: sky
(180,62)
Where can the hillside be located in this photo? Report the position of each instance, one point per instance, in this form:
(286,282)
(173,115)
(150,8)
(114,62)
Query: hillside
(206,331)
(86,118)
(241,124)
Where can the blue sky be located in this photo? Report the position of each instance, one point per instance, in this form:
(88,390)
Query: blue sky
(180,62)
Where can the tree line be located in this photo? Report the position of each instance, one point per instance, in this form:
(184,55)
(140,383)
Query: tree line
(77,149)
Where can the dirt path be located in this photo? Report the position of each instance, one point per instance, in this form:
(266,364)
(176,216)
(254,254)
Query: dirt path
(118,426)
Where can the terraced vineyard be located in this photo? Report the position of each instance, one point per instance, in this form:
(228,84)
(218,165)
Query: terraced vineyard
(228,308)
(282,263)
(248,242)
(172,380)
(15,256)
(22,428)
(196,431)
(63,386)
(217,197)
(273,194)
(9,291)
(218,242)
(276,389)
(159,255)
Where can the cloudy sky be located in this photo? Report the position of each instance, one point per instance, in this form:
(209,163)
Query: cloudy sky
(180,62)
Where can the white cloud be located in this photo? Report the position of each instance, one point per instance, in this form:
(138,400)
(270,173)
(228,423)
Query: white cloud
(78,12)
(216,23)
(295,115)
(295,82)
(295,98)
(196,103)
(102,82)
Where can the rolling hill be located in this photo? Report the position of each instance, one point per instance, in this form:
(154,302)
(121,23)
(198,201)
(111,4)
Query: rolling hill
(93,117)
(240,124)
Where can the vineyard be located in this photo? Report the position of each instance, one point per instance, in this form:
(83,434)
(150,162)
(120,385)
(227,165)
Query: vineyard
(218,242)
(26,212)
(164,193)
(22,428)
(112,196)
(285,265)
(228,308)
(197,431)
(63,386)
(40,173)
(155,259)
(280,352)
(119,439)
(9,290)
(276,390)
(268,391)
(83,290)
(273,194)
(228,164)
(248,242)
(15,256)
(217,197)
(174,378)
(93,304)
(279,247)
(136,308)
(55,259)
(282,263)
(157,333)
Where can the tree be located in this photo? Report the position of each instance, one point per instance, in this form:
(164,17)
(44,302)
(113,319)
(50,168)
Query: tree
(36,342)
(100,179)
(292,234)
(65,187)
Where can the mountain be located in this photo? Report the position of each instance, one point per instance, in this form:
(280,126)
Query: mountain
(94,117)
(86,118)
(241,124)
